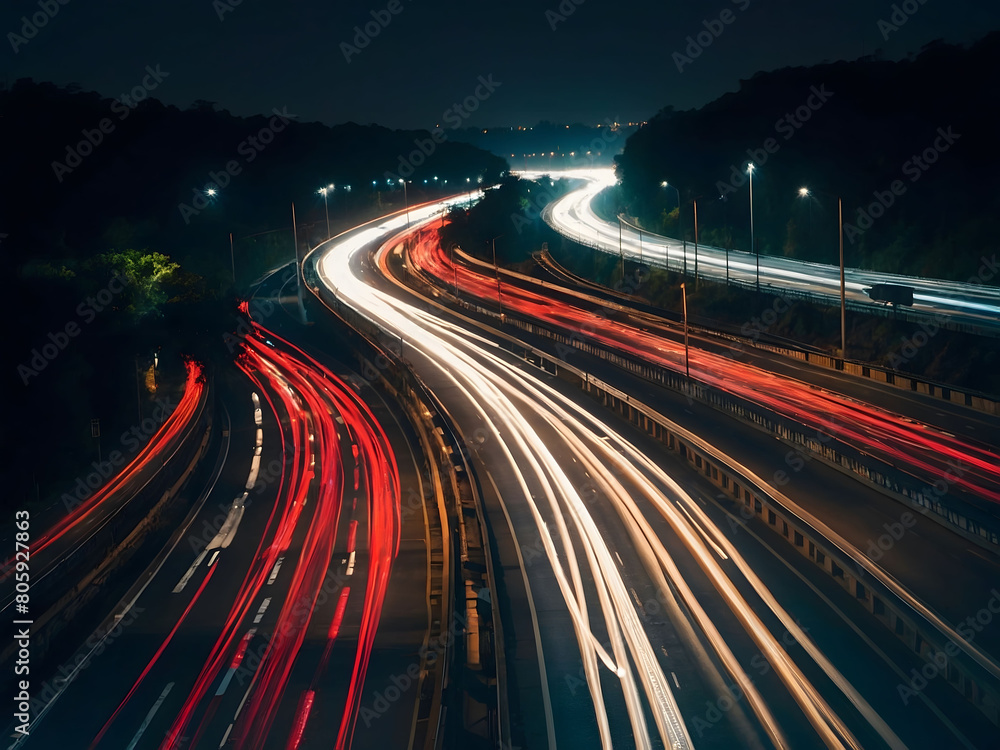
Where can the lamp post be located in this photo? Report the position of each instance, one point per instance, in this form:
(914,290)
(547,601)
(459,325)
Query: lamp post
(621,252)
(680,226)
(687,360)
(496,270)
(695,243)
(326,207)
(406,201)
(232,257)
(753,248)
(806,193)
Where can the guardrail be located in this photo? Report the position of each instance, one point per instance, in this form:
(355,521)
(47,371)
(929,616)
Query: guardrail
(973,672)
(976,400)
(975,675)
(408,388)
(974,522)
(870,308)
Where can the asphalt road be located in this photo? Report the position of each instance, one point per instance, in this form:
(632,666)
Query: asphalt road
(156,665)
(537,453)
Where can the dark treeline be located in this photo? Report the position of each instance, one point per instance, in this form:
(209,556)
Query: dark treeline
(910,147)
(68,198)
(118,254)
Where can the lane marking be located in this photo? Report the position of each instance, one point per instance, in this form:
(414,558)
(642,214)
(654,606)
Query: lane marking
(261,611)
(149,717)
(275,569)
(190,572)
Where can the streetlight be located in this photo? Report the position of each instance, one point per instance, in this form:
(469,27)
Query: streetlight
(750,169)
(695,243)
(211,192)
(496,270)
(326,208)
(680,226)
(406,201)
(687,361)
(621,253)
(805,193)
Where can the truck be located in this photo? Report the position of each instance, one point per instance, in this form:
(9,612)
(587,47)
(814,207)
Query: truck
(891,294)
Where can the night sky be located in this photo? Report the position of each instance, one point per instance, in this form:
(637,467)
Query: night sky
(600,61)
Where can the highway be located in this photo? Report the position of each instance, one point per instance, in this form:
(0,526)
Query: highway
(929,571)
(582,518)
(896,438)
(572,216)
(259,623)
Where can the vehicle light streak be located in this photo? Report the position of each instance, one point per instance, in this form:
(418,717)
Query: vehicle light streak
(160,448)
(924,449)
(501,394)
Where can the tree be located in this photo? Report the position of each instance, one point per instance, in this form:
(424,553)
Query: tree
(146,275)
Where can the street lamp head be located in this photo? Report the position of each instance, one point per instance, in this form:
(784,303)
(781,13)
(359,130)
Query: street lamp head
(322,191)
(211,192)
(750,167)
(804,192)
(664,183)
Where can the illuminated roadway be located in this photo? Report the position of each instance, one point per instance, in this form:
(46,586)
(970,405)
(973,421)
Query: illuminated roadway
(583,521)
(259,624)
(573,217)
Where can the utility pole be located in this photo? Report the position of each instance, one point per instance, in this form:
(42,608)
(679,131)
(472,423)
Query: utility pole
(496,270)
(843,296)
(695,243)
(621,252)
(299,271)
(687,360)
(232,257)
